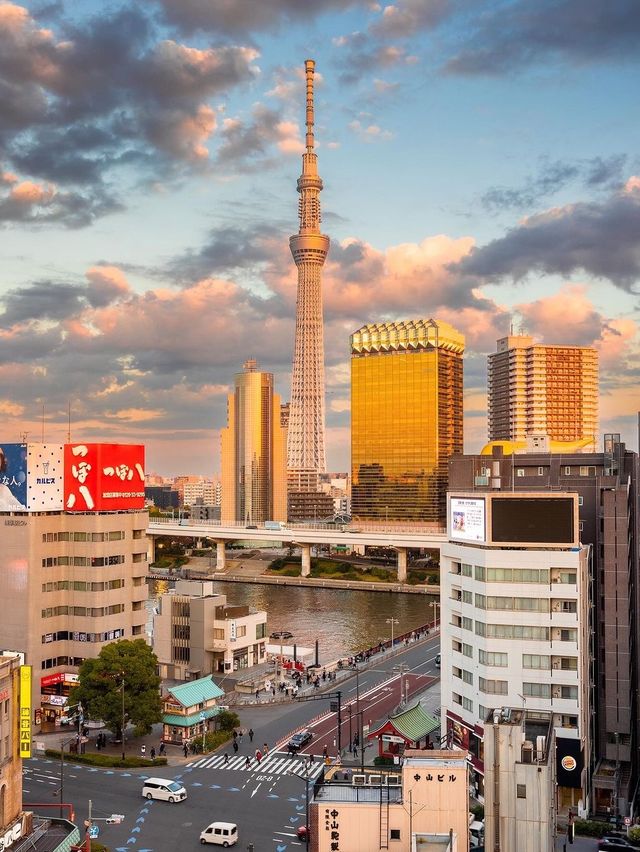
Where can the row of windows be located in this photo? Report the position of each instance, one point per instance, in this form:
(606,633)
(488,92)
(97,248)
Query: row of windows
(463,701)
(529,661)
(114,535)
(547,690)
(76,636)
(54,662)
(513,575)
(85,611)
(518,604)
(83,561)
(463,674)
(512,631)
(82,586)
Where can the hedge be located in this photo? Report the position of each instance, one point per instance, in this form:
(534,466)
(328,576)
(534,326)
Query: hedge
(107,760)
(591,828)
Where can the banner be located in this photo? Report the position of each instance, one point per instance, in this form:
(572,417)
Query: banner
(103,477)
(569,762)
(25,711)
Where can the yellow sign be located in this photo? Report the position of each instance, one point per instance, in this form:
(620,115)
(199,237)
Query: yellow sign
(25,711)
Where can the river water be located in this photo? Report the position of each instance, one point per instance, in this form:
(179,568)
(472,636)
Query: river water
(343,621)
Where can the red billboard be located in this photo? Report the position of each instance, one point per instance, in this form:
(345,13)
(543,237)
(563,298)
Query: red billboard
(103,477)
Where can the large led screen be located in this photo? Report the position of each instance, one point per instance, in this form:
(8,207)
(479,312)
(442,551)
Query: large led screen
(536,520)
(466,519)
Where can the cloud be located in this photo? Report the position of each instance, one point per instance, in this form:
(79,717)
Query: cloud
(246,145)
(406,17)
(43,300)
(106,284)
(513,36)
(362,54)
(369,132)
(238,17)
(599,238)
(553,176)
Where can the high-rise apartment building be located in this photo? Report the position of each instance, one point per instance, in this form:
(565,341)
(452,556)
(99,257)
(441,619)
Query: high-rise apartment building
(253,451)
(606,485)
(406,419)
(542,390)
(73,562)
(515,623)
(309,247)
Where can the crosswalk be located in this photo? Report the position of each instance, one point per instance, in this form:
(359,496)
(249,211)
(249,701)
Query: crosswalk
(275,763)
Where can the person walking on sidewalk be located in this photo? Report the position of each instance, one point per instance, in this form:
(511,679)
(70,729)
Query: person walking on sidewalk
(226,757)
(265,749)
(235,746)
(325,752)
(258,756)
(247,762)
(185,749)
(143,750)
(153,753)
(251,734)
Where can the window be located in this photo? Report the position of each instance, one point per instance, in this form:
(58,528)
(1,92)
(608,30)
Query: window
(540,471)
(521,791)
(493,658)
(584,471)
(261,630)
(580,500)
(218,632)
(467,597)
(456,672)
(241,630)
(567,664)
(483,711)
(467,650)
(570,635)
(480,573)
(517,631)
(455,568)
(493,687)
(467,703)
(456,645)
(457,699)
(536,690)
(570,692)
(466,570)
(567,470)
(535,661)
(467,624)
(481,628)
(467,677)
(518,575)
(519,471)
(481,602)
(394,834)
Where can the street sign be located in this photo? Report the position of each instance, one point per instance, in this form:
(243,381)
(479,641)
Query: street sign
(94,831)
(627,820)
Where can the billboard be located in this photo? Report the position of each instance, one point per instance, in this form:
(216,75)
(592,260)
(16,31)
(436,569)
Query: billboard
(535,520)
(31,477)
(103,477)
(25,711)
(569,762)
(466,519)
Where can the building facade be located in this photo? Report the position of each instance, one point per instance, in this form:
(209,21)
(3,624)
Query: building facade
(10,760)
(606,485)
(406,419)
(309,247)
(196,633)
(544,390)
(253,452)
(515,627)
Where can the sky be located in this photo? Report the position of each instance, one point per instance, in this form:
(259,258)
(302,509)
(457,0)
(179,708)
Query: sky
(481,166)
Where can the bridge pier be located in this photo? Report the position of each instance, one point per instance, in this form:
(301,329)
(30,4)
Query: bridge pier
(402,564)
(305,550)
(221,555)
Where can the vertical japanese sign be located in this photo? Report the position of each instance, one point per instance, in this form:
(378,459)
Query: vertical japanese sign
(103,477)
(25,711)
(332,826)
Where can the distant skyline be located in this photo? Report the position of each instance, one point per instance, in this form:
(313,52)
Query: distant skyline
(480,163)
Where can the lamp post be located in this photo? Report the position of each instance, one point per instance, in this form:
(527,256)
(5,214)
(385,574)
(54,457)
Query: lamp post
(401,669)
(62,746)
(122,717)
(434,605)
(392,622)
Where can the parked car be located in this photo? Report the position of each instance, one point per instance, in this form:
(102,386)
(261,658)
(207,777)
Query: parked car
(438,661)
(220,834)
(303,832)
(614,844)
(299,740)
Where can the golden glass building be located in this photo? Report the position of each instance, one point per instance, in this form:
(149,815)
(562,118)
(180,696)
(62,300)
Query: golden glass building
(253,451)
(406,419)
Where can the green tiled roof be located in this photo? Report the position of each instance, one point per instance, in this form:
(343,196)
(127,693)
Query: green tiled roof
(414,723)
(196,691)
(191,719)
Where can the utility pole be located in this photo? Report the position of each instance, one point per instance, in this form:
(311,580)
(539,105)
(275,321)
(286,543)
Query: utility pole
(122,720)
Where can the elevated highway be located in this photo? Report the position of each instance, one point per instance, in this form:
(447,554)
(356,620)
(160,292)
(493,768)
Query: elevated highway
(400,539)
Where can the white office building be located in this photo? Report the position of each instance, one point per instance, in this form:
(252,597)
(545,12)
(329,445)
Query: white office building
(514,616)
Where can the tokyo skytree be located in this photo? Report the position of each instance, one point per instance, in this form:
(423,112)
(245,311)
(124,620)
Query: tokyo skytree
(305,442)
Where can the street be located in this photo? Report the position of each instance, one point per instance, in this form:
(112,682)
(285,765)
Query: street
(267,801)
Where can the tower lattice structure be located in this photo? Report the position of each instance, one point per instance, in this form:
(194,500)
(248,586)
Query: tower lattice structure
(309,247)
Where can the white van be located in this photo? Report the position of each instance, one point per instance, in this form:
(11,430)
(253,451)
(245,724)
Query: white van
(163,788)
(220,833)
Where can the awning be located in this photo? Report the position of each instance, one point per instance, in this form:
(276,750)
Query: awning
(192,719)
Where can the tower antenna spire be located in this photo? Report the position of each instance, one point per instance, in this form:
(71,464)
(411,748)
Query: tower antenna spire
(309,68)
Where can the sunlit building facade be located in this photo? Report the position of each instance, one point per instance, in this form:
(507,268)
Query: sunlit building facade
(253,451)
(406,418)
(544,390)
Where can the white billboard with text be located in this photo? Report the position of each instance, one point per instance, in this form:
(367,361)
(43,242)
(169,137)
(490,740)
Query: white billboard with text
(466,519)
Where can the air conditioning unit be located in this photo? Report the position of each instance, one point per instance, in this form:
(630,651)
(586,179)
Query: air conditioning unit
(358,780)
(375,780)
(394,780)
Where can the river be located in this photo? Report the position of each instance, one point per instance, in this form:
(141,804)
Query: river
(343,621)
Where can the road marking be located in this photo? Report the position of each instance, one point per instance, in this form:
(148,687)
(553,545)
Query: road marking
(286,833)
(256,790)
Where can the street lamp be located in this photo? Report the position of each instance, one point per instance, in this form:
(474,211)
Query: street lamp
(401,668)
(434,605)
(392,622)
(122,716)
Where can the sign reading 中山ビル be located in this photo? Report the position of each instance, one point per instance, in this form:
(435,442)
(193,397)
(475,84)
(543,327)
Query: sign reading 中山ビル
(103,477)
(25,711)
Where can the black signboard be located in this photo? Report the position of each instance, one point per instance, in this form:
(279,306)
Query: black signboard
(539,520)
(569,762)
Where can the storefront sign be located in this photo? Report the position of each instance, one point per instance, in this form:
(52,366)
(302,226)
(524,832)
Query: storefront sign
(332,825)
(232,631)
(391,738)
(55,700)
(25,711)
(51,680)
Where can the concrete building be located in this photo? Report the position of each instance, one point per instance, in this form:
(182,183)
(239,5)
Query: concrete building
(10,760)
(406,419)
(253,452)
(162,496)
(195,633)
(514,597)
(310,507)
(71,579)
(520,781)
(606,485)
(421,804)
(188,710)
(544,390)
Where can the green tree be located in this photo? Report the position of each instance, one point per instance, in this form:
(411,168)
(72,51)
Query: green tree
(100,687)
(227,720)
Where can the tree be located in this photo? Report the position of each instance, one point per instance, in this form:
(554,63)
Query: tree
(100,687)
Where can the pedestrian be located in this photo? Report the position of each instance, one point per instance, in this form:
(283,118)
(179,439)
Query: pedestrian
(226,757)
(162,749)
(265,749)
(247,762)
(240,737)
(355,750)
(235,734)
(258,756)
(257,693)
(325,751)
(235,746)
(153,753)
(143,750)
(185,749)
(251,734)
(98,742)
(273,691)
